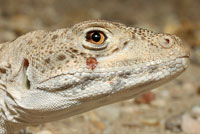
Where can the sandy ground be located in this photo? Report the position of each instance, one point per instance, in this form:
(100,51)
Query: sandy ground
(173,108)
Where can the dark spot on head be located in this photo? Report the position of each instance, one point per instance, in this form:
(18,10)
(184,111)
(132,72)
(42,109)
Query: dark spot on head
(61,57)
(125,44)
(132,35)
(72,56)
(52,68)
(82,54)
(142,38)
(115,50)
(43,41)
(9,65)
(74,50)
(67,61)
(54,37)
(48,46)
(37,37)
(97,55)
(44,36)
(43,71)
(47,60)
(2,70)
(50,52)
(153,44)
(46,51)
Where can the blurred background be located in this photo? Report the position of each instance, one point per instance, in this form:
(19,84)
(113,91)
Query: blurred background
(166,110)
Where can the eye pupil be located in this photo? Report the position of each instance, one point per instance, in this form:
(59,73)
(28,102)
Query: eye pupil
(96,36)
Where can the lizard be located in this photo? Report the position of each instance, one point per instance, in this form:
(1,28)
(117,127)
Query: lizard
(51,75)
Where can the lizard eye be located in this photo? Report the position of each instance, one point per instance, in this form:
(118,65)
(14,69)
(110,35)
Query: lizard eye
(96,37)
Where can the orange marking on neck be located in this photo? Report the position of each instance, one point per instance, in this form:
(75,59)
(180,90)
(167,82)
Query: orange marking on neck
(26,63)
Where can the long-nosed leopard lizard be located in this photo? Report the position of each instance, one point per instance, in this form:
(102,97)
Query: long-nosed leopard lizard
(46,76)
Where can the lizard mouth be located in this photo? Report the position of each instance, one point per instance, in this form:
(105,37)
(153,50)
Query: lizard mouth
(67,81)
(185,56)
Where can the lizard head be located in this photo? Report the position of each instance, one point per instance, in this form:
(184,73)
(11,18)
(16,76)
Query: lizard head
(100,51)
(95,63)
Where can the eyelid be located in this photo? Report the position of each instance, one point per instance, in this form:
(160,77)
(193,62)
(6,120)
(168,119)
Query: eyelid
(92,46)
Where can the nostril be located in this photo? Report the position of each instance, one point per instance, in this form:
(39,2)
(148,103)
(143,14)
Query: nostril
(166,41)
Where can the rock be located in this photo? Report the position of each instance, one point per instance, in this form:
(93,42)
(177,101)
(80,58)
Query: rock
(174,123)
(159,103)
(195,55)
(45,132)
(146,98)
(190,125)
(150,122)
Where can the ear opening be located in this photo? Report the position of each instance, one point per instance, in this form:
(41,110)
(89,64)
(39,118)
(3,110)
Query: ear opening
(26,65)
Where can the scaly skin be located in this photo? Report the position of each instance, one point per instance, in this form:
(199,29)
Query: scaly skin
(46,76)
